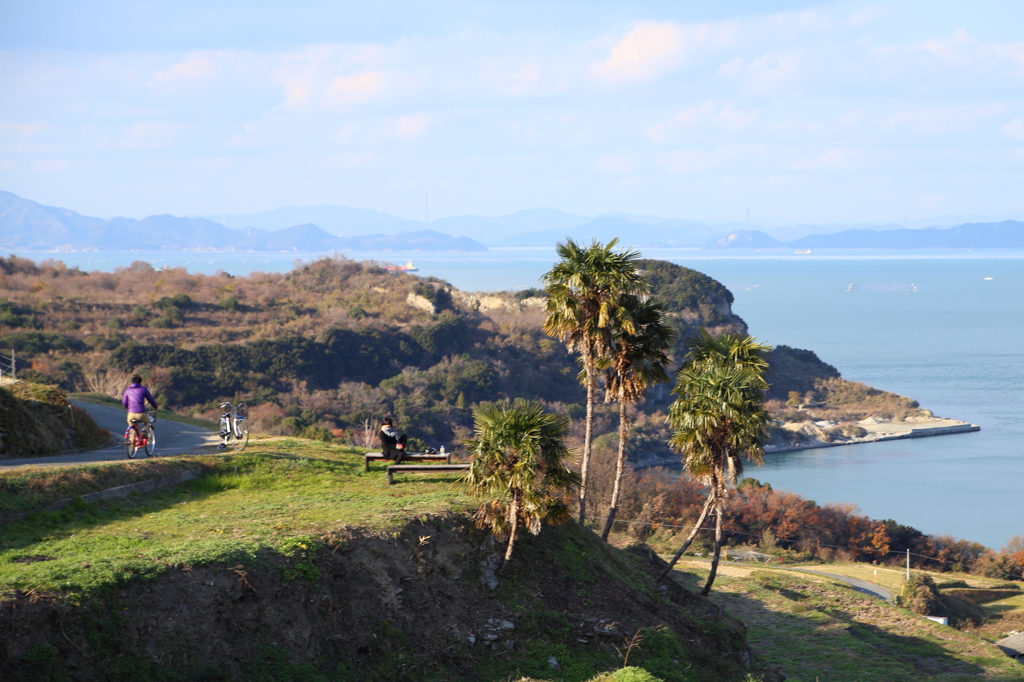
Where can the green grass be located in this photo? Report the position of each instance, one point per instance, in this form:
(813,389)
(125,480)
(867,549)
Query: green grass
(106,400)
(814,629)
(273,506)
(26,489)
(262,499)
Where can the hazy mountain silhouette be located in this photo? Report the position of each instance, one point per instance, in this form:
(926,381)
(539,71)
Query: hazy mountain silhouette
(746,239)
(507,227)
(1008,234)
(27,225)
(337,220)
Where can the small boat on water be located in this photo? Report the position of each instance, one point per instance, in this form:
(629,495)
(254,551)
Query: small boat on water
(408,267)
(802,253)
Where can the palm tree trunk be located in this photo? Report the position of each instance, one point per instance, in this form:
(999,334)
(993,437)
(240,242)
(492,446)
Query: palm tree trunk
(515,527)
(623,433)
(718,549)
(689,539)
(585,462)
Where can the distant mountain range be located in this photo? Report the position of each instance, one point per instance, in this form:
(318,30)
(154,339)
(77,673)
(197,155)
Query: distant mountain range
(26,225)
(29,226)
(1008,234)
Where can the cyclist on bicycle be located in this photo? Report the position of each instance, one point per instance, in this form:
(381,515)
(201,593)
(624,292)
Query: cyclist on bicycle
(135,398)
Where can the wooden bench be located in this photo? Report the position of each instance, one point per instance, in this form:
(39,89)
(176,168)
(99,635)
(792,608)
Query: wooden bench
(421,469)
(411,457)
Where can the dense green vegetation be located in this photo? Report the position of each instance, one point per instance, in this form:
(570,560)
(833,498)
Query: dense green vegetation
(37,419)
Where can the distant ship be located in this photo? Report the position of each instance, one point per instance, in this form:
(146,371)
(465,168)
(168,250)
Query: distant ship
(408,267)
(802,253)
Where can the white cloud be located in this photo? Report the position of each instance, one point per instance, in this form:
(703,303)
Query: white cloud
(729,118)
(51,165)
(532,114)
(149,134)
(196,66)
(343,134)
(412,126)
(1014,129)
(19,129)
(524,80)
(770,74)
(648,51)
(615,164)
(685,161)
(345,90)
(940,119)
(828,160)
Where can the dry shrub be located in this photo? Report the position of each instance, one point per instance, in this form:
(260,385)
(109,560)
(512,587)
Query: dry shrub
(267,418)
(843,556)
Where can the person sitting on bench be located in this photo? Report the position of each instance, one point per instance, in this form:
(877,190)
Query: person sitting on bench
(391,444)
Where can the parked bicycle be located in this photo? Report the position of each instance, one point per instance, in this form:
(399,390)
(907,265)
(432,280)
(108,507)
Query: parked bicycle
(234,426)
(139,436)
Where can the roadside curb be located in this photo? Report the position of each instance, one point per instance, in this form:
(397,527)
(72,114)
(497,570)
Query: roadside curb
(114,493)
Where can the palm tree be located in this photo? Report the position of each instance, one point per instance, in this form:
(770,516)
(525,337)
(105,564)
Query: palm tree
(639,361)
(519,457)
(718,417)
(584,289)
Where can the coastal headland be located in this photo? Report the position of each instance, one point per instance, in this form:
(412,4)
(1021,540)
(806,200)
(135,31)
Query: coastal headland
(876,430)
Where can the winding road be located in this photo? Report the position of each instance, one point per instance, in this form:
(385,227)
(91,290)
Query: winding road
(856,583)
(173,438)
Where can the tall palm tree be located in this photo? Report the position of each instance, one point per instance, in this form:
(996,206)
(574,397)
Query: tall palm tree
(639,361)
(584,289)
(519,457)
(718,417)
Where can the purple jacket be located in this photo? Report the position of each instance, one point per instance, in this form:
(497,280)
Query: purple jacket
(135,397)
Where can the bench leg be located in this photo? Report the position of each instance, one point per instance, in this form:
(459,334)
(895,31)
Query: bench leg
(391,477)
(366,461)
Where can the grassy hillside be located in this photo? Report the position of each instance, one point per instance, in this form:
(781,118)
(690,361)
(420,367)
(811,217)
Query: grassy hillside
(37,419)
(291,563)
(813,628)
(327,349)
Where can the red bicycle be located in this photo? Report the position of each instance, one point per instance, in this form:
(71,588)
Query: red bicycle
(140,436)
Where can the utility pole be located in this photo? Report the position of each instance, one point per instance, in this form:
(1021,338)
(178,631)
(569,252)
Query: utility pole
(908,564)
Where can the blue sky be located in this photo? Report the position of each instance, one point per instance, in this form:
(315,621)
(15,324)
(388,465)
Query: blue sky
(801,112)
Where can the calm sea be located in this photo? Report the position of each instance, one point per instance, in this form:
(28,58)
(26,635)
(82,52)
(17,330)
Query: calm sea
(946,328)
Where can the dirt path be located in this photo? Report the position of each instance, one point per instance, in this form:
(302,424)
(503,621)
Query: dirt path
(172,438)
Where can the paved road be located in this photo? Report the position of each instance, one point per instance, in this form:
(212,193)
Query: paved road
(172,438)
(856,583)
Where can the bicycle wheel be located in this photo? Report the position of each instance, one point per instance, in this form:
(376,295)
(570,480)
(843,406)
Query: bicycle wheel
(131,439)
(151,442)
(241,435)
(224,433)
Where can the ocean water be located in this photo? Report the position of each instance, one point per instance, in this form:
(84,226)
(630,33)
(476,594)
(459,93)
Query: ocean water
(936,329)
(946,328)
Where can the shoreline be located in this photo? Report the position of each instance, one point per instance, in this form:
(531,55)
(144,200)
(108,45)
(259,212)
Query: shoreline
(884,432)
